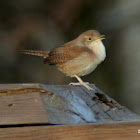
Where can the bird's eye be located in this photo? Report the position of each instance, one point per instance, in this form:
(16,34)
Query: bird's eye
(89,38)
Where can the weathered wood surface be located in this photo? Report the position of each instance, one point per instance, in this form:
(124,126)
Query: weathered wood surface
(48,104)
(27,111)
(21,108)
(110,131)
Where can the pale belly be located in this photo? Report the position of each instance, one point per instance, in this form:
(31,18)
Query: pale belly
(78,67)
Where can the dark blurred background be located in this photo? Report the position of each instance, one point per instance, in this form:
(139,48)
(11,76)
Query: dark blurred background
(45,24)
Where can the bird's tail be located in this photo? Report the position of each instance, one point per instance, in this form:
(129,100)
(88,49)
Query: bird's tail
(43,54)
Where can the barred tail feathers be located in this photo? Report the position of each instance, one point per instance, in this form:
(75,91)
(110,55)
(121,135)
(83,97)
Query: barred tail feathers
(43,54)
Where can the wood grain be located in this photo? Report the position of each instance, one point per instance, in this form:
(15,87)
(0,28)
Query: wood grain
(111,131)
(26,110)
(77,105)
(22,108)
(38,103)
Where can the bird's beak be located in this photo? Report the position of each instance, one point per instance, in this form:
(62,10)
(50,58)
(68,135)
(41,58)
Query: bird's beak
(100,38)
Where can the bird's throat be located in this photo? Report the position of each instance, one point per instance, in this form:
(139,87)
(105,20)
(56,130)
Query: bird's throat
(99,50)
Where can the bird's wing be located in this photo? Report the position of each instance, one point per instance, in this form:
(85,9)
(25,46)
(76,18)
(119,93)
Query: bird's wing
(64,54)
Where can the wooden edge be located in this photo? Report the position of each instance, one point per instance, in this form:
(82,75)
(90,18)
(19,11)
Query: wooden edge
(111,131)
(18,86)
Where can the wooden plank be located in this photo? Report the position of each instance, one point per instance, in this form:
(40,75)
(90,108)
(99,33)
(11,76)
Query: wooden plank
(76,104)
(38,103)
(112,131)
(22,108)
(18,86)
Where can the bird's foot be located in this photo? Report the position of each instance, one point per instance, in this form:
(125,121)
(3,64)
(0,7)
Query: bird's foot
(78,83)
(85,84)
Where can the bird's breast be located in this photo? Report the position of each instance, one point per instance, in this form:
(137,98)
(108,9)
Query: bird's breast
(80,66)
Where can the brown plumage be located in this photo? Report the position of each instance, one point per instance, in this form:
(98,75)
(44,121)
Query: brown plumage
(76,58)
(43,54)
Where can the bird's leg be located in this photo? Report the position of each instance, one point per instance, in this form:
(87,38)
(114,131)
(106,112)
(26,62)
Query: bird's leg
(85,84)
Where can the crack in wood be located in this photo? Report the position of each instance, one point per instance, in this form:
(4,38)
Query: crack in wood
(70,111)
(8,92)
(103,99)
(25,125)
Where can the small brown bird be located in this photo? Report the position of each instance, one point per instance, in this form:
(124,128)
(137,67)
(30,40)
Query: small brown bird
(76,58)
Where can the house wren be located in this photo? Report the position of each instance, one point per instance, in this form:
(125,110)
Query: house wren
(76,58)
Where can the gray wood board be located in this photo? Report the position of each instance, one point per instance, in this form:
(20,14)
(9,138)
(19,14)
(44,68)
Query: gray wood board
(76,104)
